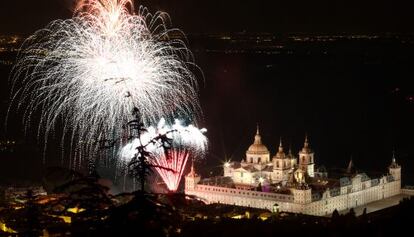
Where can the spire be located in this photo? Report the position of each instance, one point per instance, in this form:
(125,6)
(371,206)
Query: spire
(280,145)
(257,137)
(394,161)
(280,154)
(350,166)
(192,172)
(306,145)
(306,148)
(257,147)
(393,156)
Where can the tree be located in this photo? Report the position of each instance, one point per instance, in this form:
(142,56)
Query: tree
(144,215)
(351,213)
(364,216)
(140,165)
(335,215)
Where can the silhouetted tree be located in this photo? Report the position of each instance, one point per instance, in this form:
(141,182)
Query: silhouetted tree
(364,216)
(335,215)
(55,177)
(351,213)
(85,193)
(144,215)
(139,165)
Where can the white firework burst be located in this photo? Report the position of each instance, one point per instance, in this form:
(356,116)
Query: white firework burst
(184,137)
(90,71)
(169,161)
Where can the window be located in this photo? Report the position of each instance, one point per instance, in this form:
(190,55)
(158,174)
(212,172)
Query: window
(241,174)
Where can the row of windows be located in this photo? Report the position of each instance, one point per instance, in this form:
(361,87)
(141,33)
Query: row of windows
(246,193)
(280,163)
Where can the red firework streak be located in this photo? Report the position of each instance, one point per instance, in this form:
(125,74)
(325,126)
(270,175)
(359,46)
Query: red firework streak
(171,167)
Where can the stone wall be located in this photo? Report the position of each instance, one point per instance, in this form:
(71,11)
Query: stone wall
(357,194)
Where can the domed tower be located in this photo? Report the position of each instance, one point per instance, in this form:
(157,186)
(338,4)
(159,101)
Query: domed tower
(281,165)
(306,159)
(257,152)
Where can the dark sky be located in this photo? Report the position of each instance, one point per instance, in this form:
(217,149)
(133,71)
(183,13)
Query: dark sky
(343,99)
(330,16)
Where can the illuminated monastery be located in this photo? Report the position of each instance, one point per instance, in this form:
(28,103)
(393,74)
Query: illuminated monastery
(292,184)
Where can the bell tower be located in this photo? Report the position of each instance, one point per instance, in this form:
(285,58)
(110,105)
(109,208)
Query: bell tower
(281,165)
(395,169)
(306,159)
(191,180)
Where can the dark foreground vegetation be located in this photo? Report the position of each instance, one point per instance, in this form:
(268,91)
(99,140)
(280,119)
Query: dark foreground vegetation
(83,207)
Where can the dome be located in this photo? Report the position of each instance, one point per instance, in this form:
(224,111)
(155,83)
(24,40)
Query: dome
(257,147)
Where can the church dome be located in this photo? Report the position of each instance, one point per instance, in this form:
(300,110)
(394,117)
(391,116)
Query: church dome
(257,147)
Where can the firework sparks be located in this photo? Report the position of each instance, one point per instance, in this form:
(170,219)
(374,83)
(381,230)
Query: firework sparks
(171,167)
(169,163)
(90,71)
(186,137)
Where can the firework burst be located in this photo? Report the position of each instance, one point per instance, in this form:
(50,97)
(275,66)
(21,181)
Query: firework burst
(182,137)
(170,161)
(171,166)
(90,71)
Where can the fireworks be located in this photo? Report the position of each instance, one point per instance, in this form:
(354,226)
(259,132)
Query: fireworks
(171,167)
(169,163)
(90,71)
(183,137)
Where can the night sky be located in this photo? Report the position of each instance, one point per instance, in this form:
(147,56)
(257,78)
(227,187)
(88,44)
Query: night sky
(329,16)
(351,101)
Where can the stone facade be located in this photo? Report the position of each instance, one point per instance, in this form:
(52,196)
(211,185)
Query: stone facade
(287,183)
